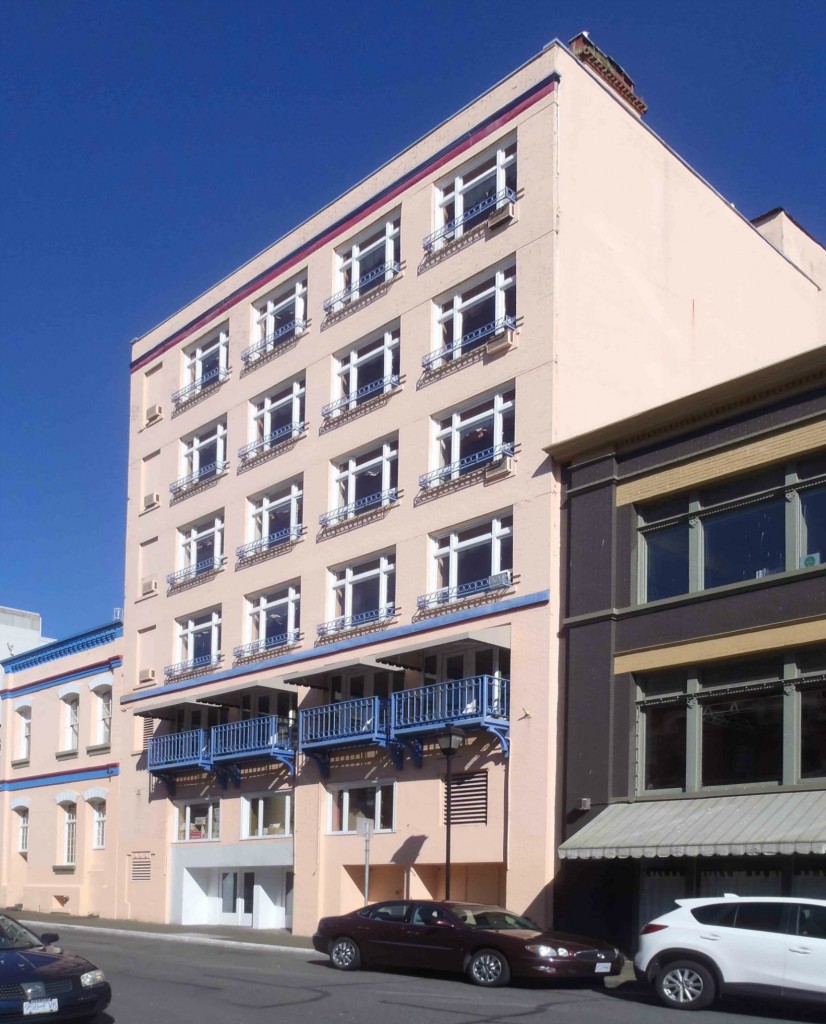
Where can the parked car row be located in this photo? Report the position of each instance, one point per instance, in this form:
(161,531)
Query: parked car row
(769,947)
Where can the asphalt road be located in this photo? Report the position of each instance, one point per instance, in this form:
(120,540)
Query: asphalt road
(172,982)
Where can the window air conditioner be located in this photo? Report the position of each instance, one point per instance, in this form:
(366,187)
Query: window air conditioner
(153,413)
(149,587)
(146,675)
(503,214)
(501,466)
(499,579)
(500,342)
(151,500)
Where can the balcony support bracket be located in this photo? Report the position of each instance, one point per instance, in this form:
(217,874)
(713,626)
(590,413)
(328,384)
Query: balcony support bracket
(415,749)
(501,732)
(322,759)
(227,773)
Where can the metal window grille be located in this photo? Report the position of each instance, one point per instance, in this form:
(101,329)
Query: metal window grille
(141,867)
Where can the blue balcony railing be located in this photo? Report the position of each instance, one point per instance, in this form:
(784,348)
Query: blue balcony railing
(207,565)
(478,460)
(438,598)
(491,202)
(255,737)
(209,380)
(371,390)
(458,702)
(285,433)
(345,622)
(178,750)
(265,644)
(386,272)
(468,342)
(355,508)
(274,540)
(201,664)
(212,469)
(284,334)
(347,722)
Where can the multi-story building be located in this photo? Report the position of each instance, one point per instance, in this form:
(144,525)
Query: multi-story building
(61,760)
(344,532)
(20,632)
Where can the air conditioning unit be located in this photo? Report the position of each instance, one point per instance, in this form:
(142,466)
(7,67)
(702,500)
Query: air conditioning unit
(500,342)
(500,467)
(146,675)
(499,580)
(151,500)
(154,412)
(149,587)
(502,215)
(810,561)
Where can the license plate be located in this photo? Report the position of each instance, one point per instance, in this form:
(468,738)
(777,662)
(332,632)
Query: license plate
(33,1006)
(603,968)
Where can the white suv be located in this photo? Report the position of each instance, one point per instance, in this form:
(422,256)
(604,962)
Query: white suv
(749,945)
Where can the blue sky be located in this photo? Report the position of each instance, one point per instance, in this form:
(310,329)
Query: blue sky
(151,147)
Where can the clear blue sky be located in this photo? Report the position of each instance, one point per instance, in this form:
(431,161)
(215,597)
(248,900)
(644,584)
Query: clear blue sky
(150,147)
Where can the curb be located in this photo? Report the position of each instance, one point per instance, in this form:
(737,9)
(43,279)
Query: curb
(203,940)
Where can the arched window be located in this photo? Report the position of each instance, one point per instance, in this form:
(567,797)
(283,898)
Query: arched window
(69,833)
(98,824)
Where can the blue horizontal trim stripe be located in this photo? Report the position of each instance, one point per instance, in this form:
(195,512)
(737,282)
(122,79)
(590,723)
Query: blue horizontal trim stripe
(307,657)
(9,785)
(82,673)
(347,221)
(74,644)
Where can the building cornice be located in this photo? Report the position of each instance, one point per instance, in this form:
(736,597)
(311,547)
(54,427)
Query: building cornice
(63,648)
(65,677)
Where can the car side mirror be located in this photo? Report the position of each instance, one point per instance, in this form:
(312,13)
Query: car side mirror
(49,938)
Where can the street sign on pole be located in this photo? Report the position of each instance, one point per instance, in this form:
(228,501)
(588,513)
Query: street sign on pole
(364,827)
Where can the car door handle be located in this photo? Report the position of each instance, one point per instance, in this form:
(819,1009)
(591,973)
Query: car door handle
(800,949)
(711,938)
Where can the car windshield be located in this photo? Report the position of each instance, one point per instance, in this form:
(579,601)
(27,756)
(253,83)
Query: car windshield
(14,936)
(493,918)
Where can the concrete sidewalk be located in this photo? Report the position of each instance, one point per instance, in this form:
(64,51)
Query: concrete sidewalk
(273,939)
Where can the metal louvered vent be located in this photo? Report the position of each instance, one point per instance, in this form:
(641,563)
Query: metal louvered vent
(468,799)
(148,731)
(141,867)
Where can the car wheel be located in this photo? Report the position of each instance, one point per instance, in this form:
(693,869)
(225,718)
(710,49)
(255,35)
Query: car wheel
(685,985)
(488,967)
(345,955)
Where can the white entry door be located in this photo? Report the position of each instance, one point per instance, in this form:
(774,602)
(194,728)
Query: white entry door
(237,897)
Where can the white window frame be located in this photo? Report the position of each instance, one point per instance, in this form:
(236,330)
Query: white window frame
(193,446)
(190,536)
(69,833)
(103,715)
(350,259)
(449,314)
(268,309)
(348,365)
(71,722)
(213,833)
(25,733)
(23,830)
(192,625)
(349,576)
(448,545)
(450,195)
(197,354)
(345,787)
(383,458)
(263,507)
(450,429)
(246,814)
(292,395)
(288,595)
(98,824)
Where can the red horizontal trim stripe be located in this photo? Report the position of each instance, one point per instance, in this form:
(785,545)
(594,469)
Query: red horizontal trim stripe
(497,121)
(62,774)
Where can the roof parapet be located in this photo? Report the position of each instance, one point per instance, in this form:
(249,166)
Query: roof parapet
(608,70)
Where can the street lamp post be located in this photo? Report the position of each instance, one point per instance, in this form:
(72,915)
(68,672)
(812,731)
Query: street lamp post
(449,742)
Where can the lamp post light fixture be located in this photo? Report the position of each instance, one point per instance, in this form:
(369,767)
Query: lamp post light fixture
(449,742)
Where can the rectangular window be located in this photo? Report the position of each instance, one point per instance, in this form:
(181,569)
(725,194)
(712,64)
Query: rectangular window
(276,517)
(349,804)
(71,723)
(365,481)
(199,821)
(205,364)
(103,732)
(98,824)
(268,815)
(276,418)
(279,318)
(274,618)
(473,559)
(475,436)
(23,831)
(468,199)
(469,318)
(199,639)
(365,372)
(372,259)
(365,592)
(742,739)
(24,716)
(665,740)
(69,834)
(813,732)
(743,529)
(205,454)
(201,547)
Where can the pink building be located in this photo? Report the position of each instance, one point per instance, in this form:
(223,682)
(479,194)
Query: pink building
(344,532)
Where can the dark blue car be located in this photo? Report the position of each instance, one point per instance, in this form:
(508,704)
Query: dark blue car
(40,982)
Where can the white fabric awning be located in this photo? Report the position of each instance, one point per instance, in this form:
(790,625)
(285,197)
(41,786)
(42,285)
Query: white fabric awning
(759,823)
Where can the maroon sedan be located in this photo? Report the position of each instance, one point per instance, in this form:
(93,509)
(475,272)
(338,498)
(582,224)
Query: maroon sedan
(489,944)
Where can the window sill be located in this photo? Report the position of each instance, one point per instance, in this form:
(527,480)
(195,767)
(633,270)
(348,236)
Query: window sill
(64,869)
(99,748)
(65,755)
(194,842)
(258,839)
(22,762)
(710,792)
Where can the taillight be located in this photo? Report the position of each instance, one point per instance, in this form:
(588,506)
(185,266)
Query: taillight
(649,928)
